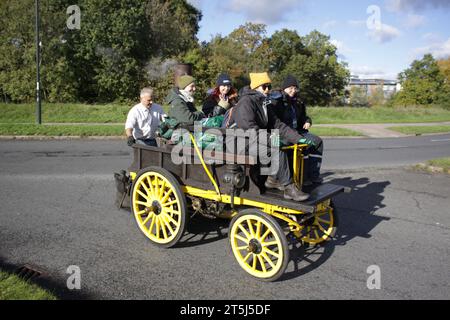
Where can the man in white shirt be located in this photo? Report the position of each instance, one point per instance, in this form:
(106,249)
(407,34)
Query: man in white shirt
(143,120)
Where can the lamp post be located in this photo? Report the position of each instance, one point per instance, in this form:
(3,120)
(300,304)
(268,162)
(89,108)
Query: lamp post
(38,76)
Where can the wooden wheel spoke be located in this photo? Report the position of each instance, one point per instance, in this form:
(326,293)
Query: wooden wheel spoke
(247,256)
(170,227)
(144,186)
(323,221)
(262,263)
(245,232)
(147,219)
(163,226)
(166,196)
(250,228)
(264,236)
(162,189)
(140,213)
(316,234)
(258,230)
(171,220)
(241,238)
(270,243)
(157,231)
(173,211)
(272,253)
(142,203)
(151,226)
(143,195)
(149,181)
(254,261)
(324,231)
(168,204)
(265,256)
(156,187)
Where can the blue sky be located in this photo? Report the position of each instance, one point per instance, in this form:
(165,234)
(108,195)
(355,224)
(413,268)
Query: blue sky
(377,38)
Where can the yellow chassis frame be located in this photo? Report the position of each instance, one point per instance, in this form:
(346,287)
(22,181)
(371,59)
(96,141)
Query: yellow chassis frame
(273,210)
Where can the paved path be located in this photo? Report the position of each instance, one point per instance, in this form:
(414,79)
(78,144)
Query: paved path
(380,130)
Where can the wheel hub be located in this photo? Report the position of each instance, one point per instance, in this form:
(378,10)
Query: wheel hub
(155,208)
(254,246)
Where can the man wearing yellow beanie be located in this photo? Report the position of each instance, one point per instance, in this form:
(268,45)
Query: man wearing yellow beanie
(254,113)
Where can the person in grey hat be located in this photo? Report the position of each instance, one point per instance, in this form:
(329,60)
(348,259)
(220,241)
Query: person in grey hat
(181,101)
(222,98)
(292,112)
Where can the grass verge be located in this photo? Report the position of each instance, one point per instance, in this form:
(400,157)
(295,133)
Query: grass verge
(334,132)
(60,130)
(115,113)
(440,165)
(14,288)
(64,113)
(421,129)
(346,115)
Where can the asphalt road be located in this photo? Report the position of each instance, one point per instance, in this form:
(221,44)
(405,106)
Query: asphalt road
(57,211)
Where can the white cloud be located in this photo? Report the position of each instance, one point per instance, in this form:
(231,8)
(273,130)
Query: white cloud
(384,33)
(366,72)
(439,50)
(195,3)
(341,47)
(414,21)
(264,11)
(416,5)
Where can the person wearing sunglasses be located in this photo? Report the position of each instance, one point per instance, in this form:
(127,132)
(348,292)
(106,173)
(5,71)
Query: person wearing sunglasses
(253,112)
(292,111)
(222,98)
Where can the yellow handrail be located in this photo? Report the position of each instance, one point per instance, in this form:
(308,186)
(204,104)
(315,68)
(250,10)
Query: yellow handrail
(204,166)
(298,176)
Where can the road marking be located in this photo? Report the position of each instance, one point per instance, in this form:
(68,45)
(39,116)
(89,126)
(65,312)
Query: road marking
(440,140)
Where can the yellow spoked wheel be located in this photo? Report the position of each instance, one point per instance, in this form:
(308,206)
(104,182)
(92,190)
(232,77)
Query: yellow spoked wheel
(322,227)
(259,244)
(159,206)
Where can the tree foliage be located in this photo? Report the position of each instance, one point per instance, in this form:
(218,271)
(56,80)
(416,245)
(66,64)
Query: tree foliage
(312,59)
(103,61)
(423,83)
(124,45)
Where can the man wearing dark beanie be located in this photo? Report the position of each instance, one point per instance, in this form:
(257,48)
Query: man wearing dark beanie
(292,112)
(289,81)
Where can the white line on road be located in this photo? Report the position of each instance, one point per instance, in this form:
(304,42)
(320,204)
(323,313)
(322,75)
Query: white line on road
(440,140)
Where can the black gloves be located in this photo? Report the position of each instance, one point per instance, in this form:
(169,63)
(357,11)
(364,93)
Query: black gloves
(218,110)
(130,141)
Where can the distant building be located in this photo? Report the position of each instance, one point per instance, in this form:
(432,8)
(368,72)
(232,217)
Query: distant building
(369,86)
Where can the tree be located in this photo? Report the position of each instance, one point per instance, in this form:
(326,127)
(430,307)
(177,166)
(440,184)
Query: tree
(313,61)
(376,98)
(422,83)
(103,61)
(18,52)
(444,67)
(285,44)
(358,97)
